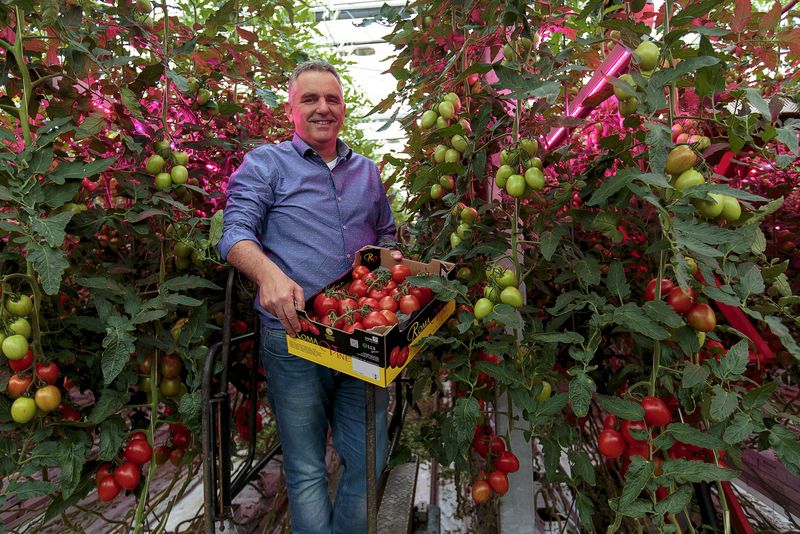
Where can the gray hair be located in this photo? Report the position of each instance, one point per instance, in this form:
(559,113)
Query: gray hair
(319,65)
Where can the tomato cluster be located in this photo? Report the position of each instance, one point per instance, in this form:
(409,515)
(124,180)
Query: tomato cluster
(631,436)
(370,299)
(500,461)
(698,315)
(170,366)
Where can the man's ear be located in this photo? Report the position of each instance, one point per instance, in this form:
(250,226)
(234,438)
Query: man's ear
(287,108)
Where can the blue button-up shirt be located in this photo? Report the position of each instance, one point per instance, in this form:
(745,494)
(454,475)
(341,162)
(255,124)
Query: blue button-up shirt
(309,220)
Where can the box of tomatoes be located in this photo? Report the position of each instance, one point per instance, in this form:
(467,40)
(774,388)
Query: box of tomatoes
(367,322)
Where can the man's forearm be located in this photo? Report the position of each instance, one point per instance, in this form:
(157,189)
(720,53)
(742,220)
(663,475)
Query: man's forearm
(249,258)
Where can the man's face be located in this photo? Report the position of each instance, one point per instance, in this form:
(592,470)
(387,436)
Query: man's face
(316,109)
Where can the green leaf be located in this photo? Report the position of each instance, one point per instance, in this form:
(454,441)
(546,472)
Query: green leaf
(580,393)
(582,466)
(107,284)
(58,504)
(500,372)
(50,263)
(782,333)
(660,311)
(506,315)
(148,316)
(28,489)
(184,283)
(91,126)
(788,136)
(57,195)
(558,337)
(616,282)
(757,101)
(622,408)
(131,102)
(118,345)
(215,229)
(758,397)
(639,474)
(182,300)
(190,406)
(40,161)
(552,457)
(682,471)
(611,186)
(676,502)
(739,429)
(71,457)
(787,447)
(52,228)
(733,364)
(723,403)
(694,436)
(554,405)
(588,271)
(78,169)
(466,413)
(585,508)
(112,433)
(109,403)
(658,139)
(631,317)
(693,375)
(180,82)
(751,281)
(693,11)
(719,295)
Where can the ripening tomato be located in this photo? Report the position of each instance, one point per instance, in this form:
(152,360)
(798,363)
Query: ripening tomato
(701,317)
(146,364)
(128,475)
(47,398)
(139,452)
(108,489)
(400,272)
(162,454)
(176,456)
(656,411)
(390,316)
(47,372)
(507,462)
(680,300)
(610,443)
(498,481)
(170,386)
(650,290)
(18,385)
(481,491)
(68,413)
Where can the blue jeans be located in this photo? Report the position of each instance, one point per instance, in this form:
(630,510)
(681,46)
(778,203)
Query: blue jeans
(305,398)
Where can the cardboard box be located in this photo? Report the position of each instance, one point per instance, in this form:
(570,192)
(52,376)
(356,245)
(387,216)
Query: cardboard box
(365,355)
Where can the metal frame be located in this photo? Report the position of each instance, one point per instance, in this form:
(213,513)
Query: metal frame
(219,487)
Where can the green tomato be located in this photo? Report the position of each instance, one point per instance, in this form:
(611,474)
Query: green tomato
(544,394)
(162,148)
(506,278)
(509,157)
(441,122)
(437,191)
(453,99)
(515,186)
(502,174)
(464,231)
(452,156)
(15,347)
(154,164)
(454,240)
(710,208)
(203,96)
(621,93)
(21,326)
(469,215)
(181,158)
(19,305)
(688,179)
(647,53)
(491,292)
(438,153)
(447,182)
(163,181)
(534,178)
(183,250)
(23,410)
(530,146)
(731,209)
(511,296)
(627,106)
(428,119)
(179,174)
(483,307)
(459,143)
(194,85)
(447,110)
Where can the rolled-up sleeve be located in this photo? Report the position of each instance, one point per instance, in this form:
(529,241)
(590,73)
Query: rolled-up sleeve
(386,229)
(250,194)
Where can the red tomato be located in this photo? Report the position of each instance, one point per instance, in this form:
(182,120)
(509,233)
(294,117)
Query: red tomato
(610,422)
(374,319)
(424,294)
(18,385)
(139,452)
(681,302)
(639,448)
(388,303)
(390,316)
(610,443)
(323,304)
(162,454)
(650,290)
(393,357)
(358,288)
(347,305)
(102,472)
(313,328)
(176,456)
(626,428)
(369,302)
(68,413)
(498,481)
(128,475)
(402,356)
(108,489)
(507,462)
(48,372)
(656,412)
(23,363)
(702,318)
(137,435)
(400,272)
(409,304)
(359,272)
(377,293)
(481,491)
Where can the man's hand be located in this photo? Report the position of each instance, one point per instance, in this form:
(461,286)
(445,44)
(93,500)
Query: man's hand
(281,296)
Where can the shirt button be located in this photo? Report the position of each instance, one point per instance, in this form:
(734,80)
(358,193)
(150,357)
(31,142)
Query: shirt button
(344,227)
(338,199)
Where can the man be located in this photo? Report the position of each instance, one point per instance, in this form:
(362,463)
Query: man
(296,214)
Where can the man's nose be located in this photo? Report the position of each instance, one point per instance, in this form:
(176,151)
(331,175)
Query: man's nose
(322,106)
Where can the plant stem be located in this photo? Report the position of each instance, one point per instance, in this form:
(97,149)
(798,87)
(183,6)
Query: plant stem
(19,56)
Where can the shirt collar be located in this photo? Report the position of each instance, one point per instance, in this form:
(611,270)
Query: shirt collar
(342,150)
